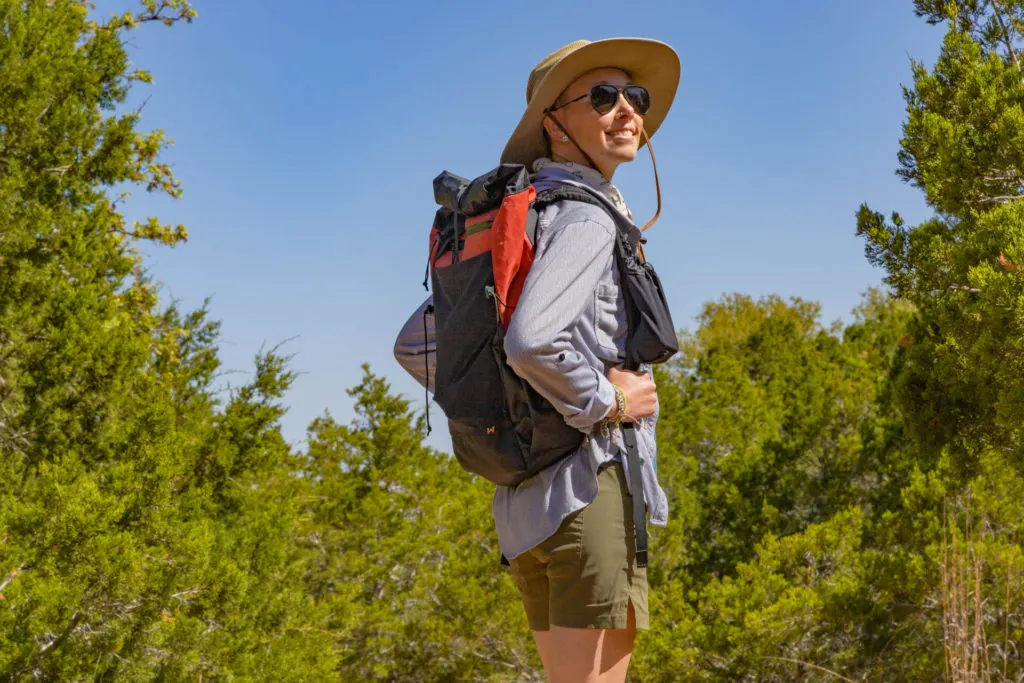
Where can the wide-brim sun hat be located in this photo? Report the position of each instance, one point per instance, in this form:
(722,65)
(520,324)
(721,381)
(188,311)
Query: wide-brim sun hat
(650,63)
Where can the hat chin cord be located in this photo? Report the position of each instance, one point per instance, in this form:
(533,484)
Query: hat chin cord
(650,150)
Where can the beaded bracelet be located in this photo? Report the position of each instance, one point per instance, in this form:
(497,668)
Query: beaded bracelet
(620,403)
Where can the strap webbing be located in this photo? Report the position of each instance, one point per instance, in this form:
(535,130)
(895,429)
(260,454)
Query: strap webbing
(636,483)
(429,310)
(531,226)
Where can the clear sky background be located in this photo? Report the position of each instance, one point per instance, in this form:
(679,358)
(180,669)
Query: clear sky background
(308,132)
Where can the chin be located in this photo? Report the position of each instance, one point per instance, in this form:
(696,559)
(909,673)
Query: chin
(623,155)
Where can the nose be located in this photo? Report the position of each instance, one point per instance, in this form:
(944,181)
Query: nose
(625,109)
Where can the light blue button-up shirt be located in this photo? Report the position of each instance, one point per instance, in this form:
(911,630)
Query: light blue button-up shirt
(569,328)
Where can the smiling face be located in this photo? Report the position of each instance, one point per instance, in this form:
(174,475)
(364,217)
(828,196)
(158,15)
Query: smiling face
(608,139)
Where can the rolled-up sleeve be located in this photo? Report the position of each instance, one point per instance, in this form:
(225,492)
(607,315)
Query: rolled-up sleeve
(561,283)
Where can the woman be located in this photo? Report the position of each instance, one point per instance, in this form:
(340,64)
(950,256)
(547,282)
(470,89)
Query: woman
(568,532)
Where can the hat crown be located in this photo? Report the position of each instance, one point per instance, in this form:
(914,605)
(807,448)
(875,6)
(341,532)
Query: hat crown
(549,63)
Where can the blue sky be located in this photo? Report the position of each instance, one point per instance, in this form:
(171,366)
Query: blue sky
(307,135)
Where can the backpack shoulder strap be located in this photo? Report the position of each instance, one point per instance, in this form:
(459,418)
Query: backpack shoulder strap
(531,225)
(560,193)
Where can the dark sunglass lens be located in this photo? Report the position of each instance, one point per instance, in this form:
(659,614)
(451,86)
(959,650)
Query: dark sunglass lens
(638,98)
(604,97)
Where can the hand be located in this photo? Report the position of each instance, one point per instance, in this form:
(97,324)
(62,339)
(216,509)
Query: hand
(640,390)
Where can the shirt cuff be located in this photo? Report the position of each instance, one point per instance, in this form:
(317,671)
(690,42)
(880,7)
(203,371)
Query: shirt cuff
(601,403)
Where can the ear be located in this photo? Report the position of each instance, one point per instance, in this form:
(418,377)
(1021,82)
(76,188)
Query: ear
(554,131)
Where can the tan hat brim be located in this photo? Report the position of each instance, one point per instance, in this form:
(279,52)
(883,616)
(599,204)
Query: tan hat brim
(649,63)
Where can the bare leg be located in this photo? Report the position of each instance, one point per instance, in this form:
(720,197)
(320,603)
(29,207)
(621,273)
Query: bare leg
(543,640)
(582,655)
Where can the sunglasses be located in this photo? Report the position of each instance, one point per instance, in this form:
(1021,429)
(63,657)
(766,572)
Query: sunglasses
(604,97)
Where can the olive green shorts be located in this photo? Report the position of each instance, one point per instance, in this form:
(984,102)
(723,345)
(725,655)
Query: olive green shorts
(585,575)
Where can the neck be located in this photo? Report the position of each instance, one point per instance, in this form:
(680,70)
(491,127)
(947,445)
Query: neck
(575,157)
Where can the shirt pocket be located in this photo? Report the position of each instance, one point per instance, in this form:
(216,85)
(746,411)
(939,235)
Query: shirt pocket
(609,321)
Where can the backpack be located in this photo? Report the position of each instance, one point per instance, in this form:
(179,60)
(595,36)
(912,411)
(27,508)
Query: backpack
(481,249)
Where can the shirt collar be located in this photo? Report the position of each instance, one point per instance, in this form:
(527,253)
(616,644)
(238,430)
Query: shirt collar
(590,177)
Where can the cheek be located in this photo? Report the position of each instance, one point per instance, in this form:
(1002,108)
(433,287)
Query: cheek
(599,124)
(590,126)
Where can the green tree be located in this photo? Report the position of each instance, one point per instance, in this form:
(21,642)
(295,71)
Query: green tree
(782,457)
(407,556)
(767,413)
(960,382)
(146,527)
